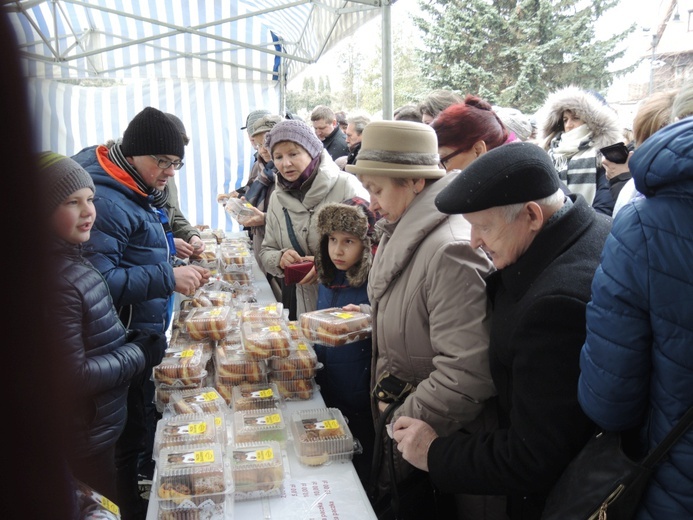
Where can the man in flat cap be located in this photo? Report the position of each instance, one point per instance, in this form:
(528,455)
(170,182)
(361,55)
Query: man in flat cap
(546,247)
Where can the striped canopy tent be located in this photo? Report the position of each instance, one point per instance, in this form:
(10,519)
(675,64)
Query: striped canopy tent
(92,65)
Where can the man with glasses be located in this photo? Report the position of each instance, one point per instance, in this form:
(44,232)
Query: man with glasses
(132,245)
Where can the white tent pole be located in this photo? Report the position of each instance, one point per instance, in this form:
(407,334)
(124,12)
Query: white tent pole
(388,94)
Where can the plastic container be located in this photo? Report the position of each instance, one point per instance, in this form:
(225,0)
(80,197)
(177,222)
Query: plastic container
(262,340)
(234,366)
(258,470)
(210,322)
(262,312)
(334,327)
(301,363)
(235,257)
(186,366)
(259,426)
(295,329)
(191,479)
(239,210)
(321,436)
(197,400)
(294,389)
(162,393)
(189,430)
(213,298)
(256,397)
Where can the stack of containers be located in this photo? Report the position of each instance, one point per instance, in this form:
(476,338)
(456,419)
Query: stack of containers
(183,367)
(294,374)
(236,266)
(321,436)
(209,258)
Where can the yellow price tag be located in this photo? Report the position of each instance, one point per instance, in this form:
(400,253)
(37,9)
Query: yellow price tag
(265,393)
(331,424)
(210,396)
(271,308)
(274,328)
(204,456)
(197,428)
(113,508)
(264,455)
(275,418)
(217,421)
(344,315)
(187,353)
(302,346)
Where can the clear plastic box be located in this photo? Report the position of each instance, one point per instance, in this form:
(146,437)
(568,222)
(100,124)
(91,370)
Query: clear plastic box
(239,209)
(189,430)
(334,326)
(211,298)
(238,279)
(262,340)
(192,478)
(259,426)
(234,366)
(235,257)
(197,400)
(210,322)
(321,436)
(257,396)
(258,470)
(295,329)
(301,363)
(186,366)
(294,389)
(262,312)
(162,392)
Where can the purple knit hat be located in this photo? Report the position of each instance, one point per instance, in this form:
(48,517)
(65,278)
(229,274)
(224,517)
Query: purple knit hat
(297,132)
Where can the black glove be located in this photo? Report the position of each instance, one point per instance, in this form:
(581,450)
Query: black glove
(151,343)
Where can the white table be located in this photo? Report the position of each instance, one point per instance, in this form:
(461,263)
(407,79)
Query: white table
(329,492)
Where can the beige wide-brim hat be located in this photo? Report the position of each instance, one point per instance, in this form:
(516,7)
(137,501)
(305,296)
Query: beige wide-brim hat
(398,149)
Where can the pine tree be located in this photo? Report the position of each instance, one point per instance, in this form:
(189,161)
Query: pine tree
(515,52)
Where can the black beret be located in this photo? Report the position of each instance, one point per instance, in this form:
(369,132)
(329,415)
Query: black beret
(510,174)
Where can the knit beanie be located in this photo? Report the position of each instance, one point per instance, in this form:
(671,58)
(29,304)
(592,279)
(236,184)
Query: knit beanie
(252,117)
(297,132)
(63,176)
(152,132)
(349,216)
(180,126)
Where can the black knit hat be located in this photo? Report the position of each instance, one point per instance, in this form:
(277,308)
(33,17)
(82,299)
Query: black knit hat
(151,132)
(510,174)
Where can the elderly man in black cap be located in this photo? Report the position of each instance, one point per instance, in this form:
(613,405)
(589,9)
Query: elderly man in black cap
(546,247)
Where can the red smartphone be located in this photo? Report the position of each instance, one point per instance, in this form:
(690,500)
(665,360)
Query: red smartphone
(294,273)
(616,153)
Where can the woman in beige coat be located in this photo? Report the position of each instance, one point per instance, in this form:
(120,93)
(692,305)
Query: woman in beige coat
(308,178)
(426,291)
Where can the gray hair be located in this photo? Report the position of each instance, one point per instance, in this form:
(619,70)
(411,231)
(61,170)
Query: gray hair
(359,123)
(511,211)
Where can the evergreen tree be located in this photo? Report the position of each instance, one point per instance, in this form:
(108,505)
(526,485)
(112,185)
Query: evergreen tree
(515,52)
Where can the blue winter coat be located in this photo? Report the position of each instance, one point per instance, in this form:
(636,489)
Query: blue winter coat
(128,246)
(637,361)
(93,342)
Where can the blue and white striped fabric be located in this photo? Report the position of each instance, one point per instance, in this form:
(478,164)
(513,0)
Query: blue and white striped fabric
(95,65)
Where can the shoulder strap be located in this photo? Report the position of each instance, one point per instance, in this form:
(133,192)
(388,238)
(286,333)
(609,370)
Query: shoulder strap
(292,235)
(676,432)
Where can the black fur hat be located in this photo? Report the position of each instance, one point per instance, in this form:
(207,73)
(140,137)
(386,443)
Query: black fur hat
(350,216)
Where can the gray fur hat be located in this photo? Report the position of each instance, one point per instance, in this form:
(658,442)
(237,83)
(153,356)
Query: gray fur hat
(600,118)
(350,216)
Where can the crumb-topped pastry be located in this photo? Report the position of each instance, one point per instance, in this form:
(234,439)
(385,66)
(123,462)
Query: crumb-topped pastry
(258,469)
(334,326)
(320,436)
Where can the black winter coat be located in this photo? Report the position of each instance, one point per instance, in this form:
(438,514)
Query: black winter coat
(94,344)
(335,144)
(537,331)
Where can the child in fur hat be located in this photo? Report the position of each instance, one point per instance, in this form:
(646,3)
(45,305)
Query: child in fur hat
(342,263)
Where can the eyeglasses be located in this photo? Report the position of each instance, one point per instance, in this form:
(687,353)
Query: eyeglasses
(165,164)
(449,156)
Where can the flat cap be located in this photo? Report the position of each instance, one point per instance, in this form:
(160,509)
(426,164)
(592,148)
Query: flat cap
(513,173)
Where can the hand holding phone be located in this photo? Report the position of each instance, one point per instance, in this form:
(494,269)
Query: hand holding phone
(616,153)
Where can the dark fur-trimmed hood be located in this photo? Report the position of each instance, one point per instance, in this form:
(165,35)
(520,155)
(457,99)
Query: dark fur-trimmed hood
(601,120)
(354,219)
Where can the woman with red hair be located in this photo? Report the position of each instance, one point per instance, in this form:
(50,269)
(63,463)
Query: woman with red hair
(467,130)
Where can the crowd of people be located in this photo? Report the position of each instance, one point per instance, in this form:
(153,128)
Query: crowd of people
(513,312)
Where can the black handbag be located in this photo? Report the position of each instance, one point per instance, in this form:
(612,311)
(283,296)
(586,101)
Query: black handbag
(602,482)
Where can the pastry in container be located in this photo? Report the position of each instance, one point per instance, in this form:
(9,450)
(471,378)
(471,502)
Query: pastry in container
(258,396)
(265,339)
(197,400)
(186,366)
(259,426)
(235,366)
(321,436)
(189,430)
(212,298)
(258,470)
(301,363)
(295,329)
(163,392)
(334,327)
(210,322)
(235,257)
(294,389)
(262,312)
(192,479)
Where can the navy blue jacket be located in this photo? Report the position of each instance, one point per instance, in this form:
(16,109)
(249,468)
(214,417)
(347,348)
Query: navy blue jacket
(128,246)
(94,345)
(345,378)
(637,360)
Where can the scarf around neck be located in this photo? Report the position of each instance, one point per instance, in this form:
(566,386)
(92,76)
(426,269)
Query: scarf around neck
(307,173)
(157,198)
